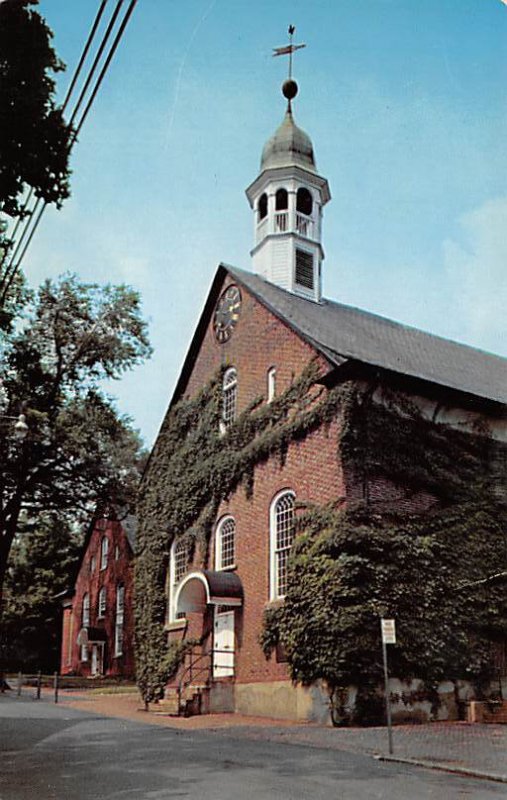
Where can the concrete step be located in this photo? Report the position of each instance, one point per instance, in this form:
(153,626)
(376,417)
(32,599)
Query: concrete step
(169,705)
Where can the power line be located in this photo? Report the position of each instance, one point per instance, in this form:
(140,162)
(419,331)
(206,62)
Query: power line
(13,267)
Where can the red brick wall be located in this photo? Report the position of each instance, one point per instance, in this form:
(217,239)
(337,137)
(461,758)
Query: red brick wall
(119,570)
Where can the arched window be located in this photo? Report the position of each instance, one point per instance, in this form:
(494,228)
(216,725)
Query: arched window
(262,206)
(104,550)
(282,526)
(178,566)
(102,603)
(118,624)
(229,394)
(225,544)
(304,201)
(281,200)
(85,616)
(271,384)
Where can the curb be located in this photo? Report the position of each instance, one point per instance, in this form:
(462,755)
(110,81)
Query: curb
(470,773)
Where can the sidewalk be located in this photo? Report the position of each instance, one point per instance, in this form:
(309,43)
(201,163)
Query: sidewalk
(479,750)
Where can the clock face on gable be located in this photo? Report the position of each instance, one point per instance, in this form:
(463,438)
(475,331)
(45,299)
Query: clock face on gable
(227,313)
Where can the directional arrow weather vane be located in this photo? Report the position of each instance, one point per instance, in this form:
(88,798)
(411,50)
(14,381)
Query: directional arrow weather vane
(289,49)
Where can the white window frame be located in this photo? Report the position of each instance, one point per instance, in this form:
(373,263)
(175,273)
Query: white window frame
(271,381)
(84,656)
(174,579)
(119,620)
(229,398)
(219,552)
(102,603)
(274,550)
(104,552)
(93,564)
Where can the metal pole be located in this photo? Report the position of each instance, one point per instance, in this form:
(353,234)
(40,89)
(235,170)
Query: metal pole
(388,699)
(20,683)
(39,683)
(55,682)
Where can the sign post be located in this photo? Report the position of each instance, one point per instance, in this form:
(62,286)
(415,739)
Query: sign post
(388,637)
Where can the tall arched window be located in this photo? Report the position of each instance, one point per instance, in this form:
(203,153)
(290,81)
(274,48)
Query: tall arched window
(281,200)
(271,384)
(118,624)
(178,566)
(304,201)
(104,550)
(102,602)
(85,617)
(282,527)
(225,543)
(229,395)
(262,206)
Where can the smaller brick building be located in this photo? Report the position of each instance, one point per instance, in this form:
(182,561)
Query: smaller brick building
(97,627)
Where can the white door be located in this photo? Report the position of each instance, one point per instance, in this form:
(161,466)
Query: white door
(223,645)
(97,659)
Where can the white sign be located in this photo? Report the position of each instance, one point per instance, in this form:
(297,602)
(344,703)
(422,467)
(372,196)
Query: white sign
(388,631)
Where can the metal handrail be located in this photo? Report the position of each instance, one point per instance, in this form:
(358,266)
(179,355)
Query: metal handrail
(192,674)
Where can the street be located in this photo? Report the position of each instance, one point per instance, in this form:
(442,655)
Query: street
(49,751)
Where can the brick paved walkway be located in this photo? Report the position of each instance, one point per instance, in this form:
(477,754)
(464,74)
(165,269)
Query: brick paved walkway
(458,746)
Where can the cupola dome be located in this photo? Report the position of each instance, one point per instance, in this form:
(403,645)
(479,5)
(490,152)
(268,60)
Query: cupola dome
(288,147)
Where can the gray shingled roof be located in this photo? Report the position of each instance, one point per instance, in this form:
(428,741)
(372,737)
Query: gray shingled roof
(343,332)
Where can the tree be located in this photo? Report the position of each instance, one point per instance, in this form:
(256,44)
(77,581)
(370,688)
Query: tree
(79,451)
(41,564)
(34,139)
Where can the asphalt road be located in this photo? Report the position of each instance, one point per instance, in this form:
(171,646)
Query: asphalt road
(55,752)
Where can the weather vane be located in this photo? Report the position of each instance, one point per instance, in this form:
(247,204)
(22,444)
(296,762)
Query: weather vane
(288,49)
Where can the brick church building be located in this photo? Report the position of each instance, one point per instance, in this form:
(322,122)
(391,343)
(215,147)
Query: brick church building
(258,332)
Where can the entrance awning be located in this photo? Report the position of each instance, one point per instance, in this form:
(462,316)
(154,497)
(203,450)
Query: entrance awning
(90,635)
(208,587)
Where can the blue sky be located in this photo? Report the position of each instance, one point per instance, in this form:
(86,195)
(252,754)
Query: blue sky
(406,104)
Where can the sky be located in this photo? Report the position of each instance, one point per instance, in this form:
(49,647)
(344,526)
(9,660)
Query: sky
(406,105)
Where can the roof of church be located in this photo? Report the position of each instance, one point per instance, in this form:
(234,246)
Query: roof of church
(289,146)
(342,332)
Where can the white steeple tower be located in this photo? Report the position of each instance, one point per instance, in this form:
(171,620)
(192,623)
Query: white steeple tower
(287,199)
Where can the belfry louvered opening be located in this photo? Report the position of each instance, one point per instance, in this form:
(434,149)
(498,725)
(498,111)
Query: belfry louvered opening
(304,269)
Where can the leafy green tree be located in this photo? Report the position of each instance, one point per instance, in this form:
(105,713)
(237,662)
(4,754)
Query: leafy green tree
(79,451)
(34,139)
(41,565)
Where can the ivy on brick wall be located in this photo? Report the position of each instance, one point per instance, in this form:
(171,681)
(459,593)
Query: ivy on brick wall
(350,564)
(192,469)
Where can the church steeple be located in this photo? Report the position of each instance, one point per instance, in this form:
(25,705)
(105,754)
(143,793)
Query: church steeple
(287,198)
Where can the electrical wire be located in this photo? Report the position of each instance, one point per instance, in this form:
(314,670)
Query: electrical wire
(13,267)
